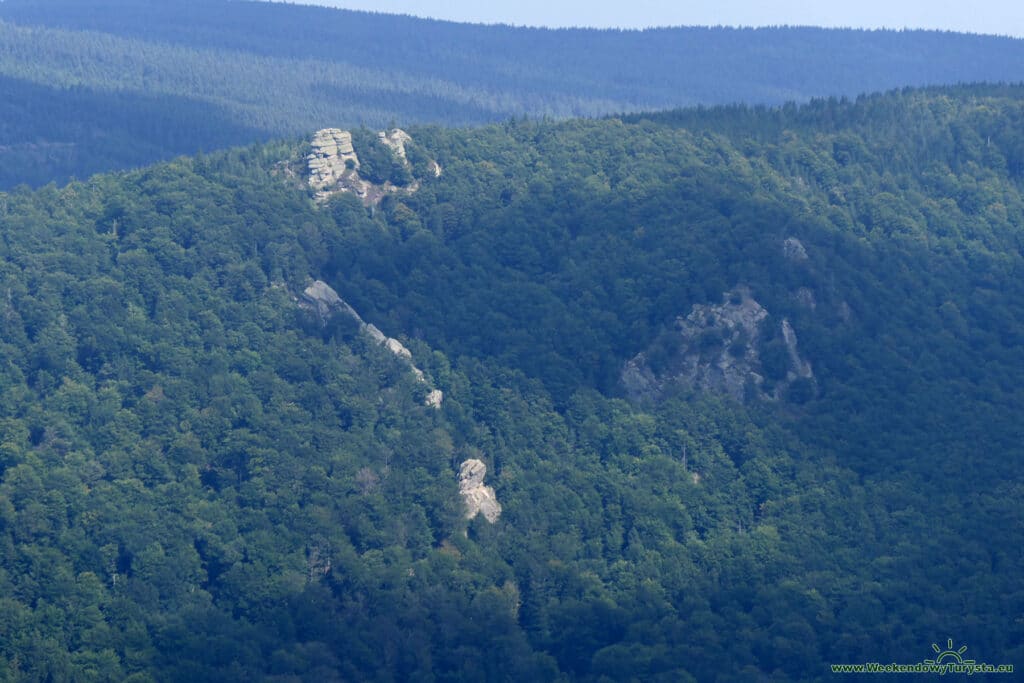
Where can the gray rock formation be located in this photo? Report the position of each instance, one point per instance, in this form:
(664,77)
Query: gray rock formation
(794,250)
(321,298)
(715,349)
(333,166)
(798,366)
(479,499)
(396,347)
(718,351)
(376,335)
(434,399)
(395,139)
(333,162)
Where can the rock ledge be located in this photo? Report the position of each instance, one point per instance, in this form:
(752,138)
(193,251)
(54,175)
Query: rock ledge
(321,299)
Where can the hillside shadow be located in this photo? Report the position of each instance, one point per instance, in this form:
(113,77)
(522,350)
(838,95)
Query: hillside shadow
(53,134)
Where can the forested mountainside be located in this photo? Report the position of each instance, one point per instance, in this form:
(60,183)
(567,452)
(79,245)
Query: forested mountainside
(111,84)
(215,468)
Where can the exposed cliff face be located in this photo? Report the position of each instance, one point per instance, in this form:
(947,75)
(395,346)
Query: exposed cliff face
(333,165)
(717,349)
(479,499)
(321,299)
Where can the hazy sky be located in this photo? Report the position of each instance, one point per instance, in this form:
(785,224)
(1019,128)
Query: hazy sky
(1004,17)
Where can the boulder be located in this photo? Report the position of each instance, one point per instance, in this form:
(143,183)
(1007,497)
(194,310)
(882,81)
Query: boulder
(321,298)
(479,499)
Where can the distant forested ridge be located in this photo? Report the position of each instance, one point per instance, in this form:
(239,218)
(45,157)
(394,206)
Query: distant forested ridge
(116,83)
(200,480)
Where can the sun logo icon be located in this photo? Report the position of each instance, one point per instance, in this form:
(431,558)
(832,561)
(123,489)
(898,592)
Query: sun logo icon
(949,653)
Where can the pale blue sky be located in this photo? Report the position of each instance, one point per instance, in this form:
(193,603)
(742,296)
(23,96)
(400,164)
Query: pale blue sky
(1002,17)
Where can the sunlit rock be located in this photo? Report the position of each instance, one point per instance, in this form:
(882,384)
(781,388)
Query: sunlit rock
(479,499)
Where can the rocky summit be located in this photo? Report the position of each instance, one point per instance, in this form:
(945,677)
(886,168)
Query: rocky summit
(333,166)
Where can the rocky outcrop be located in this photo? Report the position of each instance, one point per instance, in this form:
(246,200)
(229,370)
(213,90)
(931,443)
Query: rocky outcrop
(715,349)
(395,139)
(434,398)
(321,299)
(375,334)
(396,347)
(479,499)
(798,366)
(333,165)
(793,249)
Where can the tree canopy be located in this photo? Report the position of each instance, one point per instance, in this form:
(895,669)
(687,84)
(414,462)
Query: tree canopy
(200,480)
(111,84)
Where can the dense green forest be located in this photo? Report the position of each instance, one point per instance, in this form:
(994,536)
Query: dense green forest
(110,84)
(199,480)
